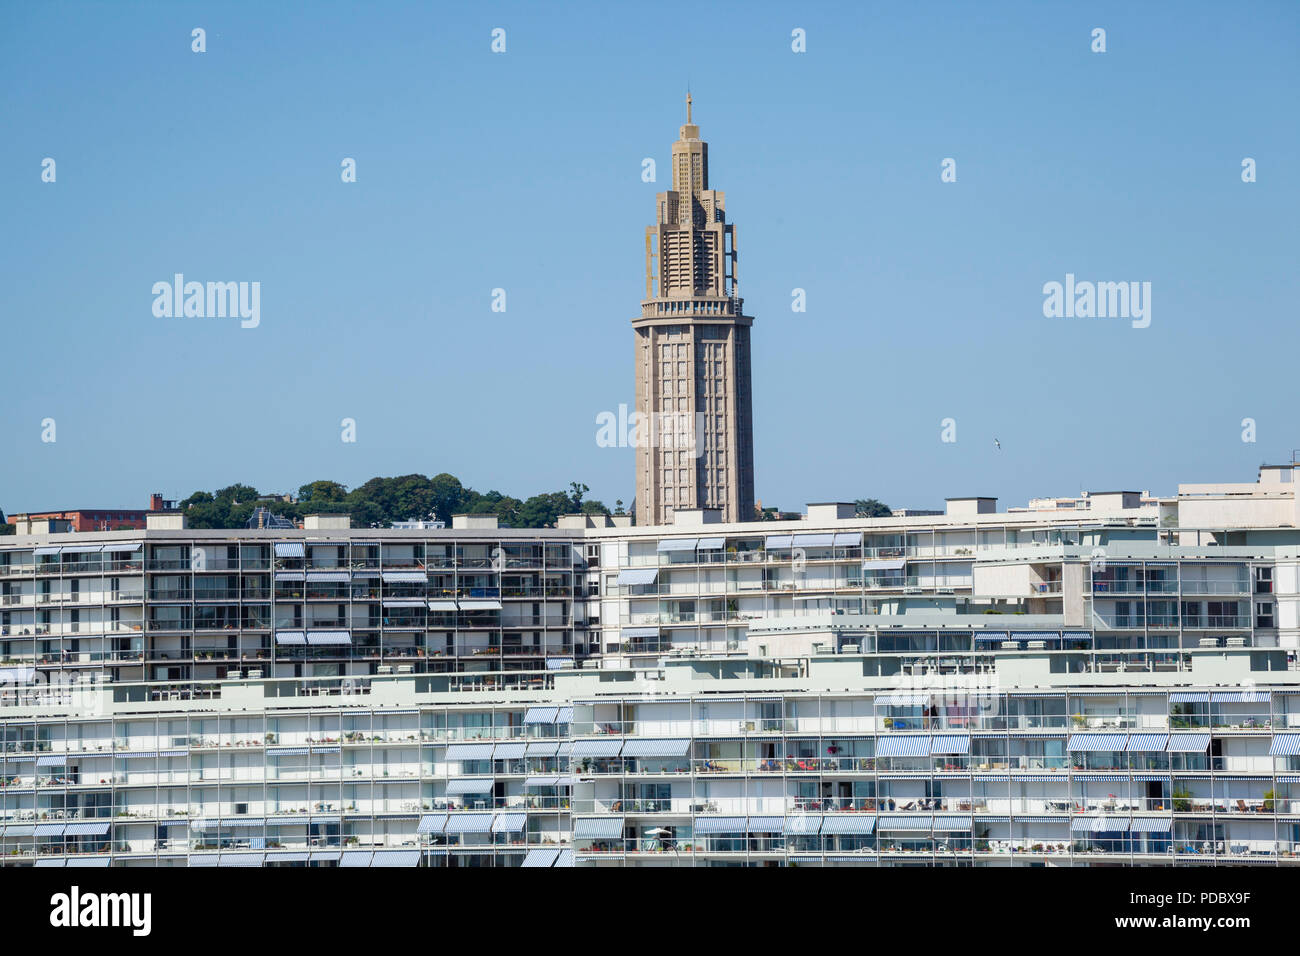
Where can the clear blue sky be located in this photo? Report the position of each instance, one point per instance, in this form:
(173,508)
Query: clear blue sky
(522,171)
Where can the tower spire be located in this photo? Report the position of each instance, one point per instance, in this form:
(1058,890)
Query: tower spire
(688,106)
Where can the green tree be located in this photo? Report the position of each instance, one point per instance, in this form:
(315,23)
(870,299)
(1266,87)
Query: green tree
(322,491)
(541,511)
(871,508)
(237,493)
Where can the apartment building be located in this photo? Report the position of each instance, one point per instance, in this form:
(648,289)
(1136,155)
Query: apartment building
(1115,684)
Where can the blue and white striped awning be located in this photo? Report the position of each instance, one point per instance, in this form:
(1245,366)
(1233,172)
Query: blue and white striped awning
(849,824)
(203,859)
(637,576)
(404,577)
(991,637)
(20,830)
(884,564)
(509,751)
(468,823)
(1240,697)
(899,822)
(432,823)
(559,663)
(87,828)
(325,855)
(1285,745)
(533,782)
(355,858)
(565,715)
(51,760)
(325,750)
(286,751)
(1038,777)
(597,748)
(719,825)
(1117,777)
(848,539)
(904,745)
(991,777)
(49,829)
(1189,743)
(319,638)
(950,823)
(950,744)
(241,859)
(1094,743)
(711,544)
(1189,697)
(509,822)
(46,862)
(565,858)
(462,786)
(803,824)
(287,856)
(606,828)
(290,637)
(1147,742)
(136,754)
(540,715)
(289,549)
(1035,635)
(244,822)
(290,576)
(778,541)
(1288,778)
(123,546)
(674,545)
(994,818)
(469,752)
(1042,818)
(542,748)
(1151,825)
(88,861)
(540,857)
(329,577)
(1151,777)
(1087,824)
(765,824)
(637,633)
(813,540)
(396,858)
(672,747)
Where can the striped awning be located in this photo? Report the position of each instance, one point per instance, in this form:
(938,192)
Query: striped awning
(432,823)
(469,752)
(903,745)
(765,824)
(950,823)
(286,751)
(396,858)
(405,602)
(509,822)
(1118,777)
(900,822)
(287,856)
(1151,824)
(290,576)
(778,541)
(1285,745)
(1042,818)
(565,858)
(606,828)
(884,564)
(404,577)
(319,638)
(355,858)
(88,861)
(848,539)
(671,747)
(846,824)
(637,576)
(241,859)
(290,637)
(542,748)
(718,825)
(329,577)
(1038,778)
(289,549)
(442,605)
(540,715)
(87,828)
(597,748)
(803,824)
(1086,824)
(469,823)
(558,664)
(51,760)
(540,857)
(509,751)
(813,540)
(950,744)
(487,604)
(47,862)
(534,782)
(565,714)
(123,546)
(1189,697)
(1240,697)
(1148,742)
(463,786)
(711,544)
(900,699)
(635,633)
(673,545)
(1093,743)
(1189,743)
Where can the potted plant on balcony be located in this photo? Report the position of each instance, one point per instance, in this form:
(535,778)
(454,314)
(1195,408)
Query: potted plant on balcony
(1182,800)
(1270,799)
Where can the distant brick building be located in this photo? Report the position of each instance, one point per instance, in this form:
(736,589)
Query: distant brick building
(98,519)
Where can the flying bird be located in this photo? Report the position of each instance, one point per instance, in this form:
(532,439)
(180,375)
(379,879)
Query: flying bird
(998,443)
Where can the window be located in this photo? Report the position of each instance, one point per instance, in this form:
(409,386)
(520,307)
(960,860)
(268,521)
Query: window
(1263,580)
(1264,614)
